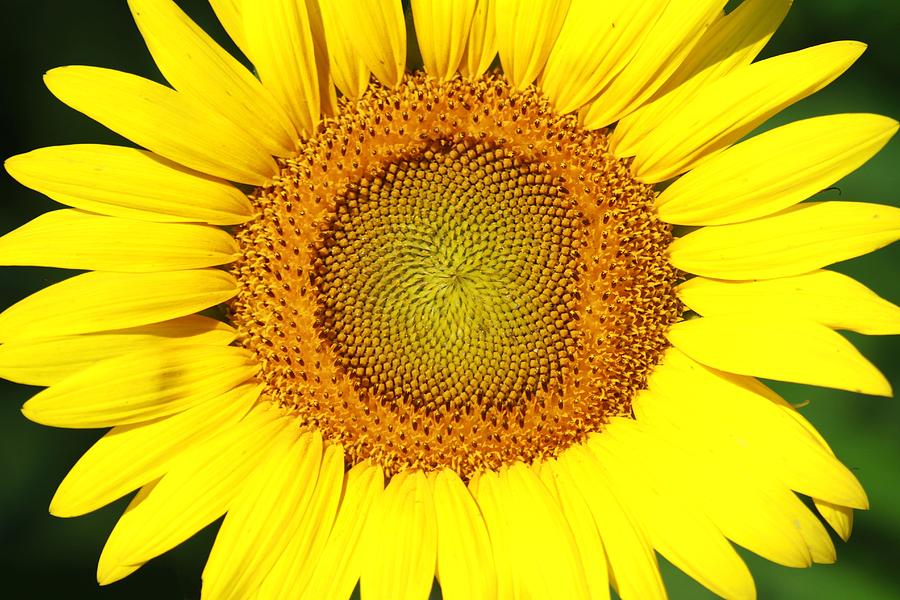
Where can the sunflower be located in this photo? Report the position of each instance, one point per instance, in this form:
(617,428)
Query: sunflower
(404,324)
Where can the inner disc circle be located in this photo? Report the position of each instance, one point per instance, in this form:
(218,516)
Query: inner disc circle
(445,278)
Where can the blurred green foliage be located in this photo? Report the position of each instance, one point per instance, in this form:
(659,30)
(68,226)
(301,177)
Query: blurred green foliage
(43,557)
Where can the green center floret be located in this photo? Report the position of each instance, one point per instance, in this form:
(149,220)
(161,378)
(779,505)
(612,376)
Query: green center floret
(448,278)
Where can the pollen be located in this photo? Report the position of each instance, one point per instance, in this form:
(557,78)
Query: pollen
(448,274)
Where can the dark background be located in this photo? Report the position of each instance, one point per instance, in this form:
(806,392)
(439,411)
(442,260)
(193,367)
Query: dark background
(43,556)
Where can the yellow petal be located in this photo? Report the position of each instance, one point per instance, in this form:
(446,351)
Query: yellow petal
(377,31)
(526,32)
(544,547)
(741,494)
(755,512)
(746,423)
(481,45)
(98,301)
(47,361)
(157,381)
(327,91)
(130,456)
(199,487)
(670,39)
(442,28)
(674,525)
(351,75)
(71,239)
(596,42)
(825,297)
(109,571)
(195,65)
(774,170)
(229,14)
(778,348)
(124,182)
(731,42)
(264,517)
(401,542)
(163,121)
(797,240)
(338,566)
(581,522)
(484,488)
(297,564)
(465,563)
(728,109)
(839,517)
(281,48)
(633,569)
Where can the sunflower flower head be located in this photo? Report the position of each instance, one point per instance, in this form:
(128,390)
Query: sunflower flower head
(455,334)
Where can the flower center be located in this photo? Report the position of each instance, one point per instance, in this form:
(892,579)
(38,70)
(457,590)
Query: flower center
(450,274)
(441,279)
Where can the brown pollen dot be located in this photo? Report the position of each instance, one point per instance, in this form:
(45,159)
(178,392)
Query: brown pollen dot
(450,274)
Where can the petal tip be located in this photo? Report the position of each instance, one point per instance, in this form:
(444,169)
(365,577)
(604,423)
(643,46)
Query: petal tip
(12,164)
(109,573)
(882,388)
(51,77)
(28,412)
(58,507)
(854,47)
(891,125)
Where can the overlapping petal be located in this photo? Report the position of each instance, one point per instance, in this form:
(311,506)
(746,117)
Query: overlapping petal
(262,520)
(72,239)
(667,42)
(376,30)
(124,182)
(401,541)
(465,562)
(795,241)
(442,28)
(690,395)
(199,487)
(729,108)
(338,566)
(774,170)
(731,42)
(130,456)
(634,571)
(787,349)
(160,119)
(825,297)
(481,44)
(156,381)
(296,567)
(280,42)
(49,360)
(576,511)
(195,65)
(100,301)
(595,44)
(674,525)
(526,32)
(351,74)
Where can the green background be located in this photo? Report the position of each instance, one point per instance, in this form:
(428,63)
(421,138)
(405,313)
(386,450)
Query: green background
(43,556)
